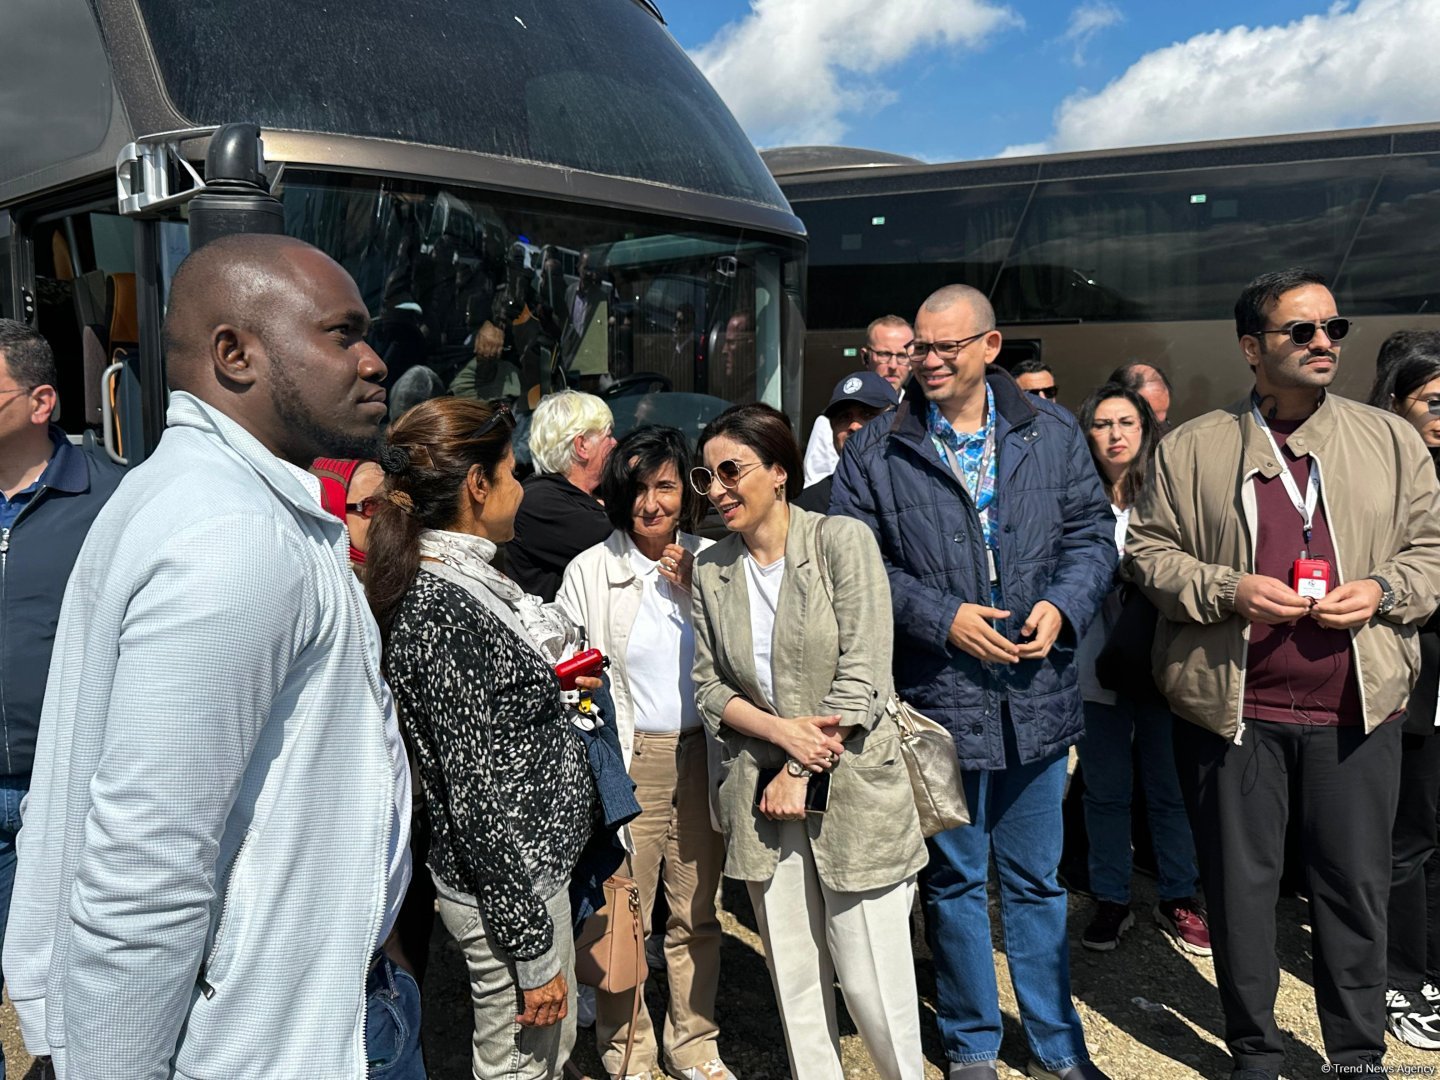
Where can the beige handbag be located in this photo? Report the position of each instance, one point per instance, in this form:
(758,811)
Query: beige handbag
(610,951)
(934,768)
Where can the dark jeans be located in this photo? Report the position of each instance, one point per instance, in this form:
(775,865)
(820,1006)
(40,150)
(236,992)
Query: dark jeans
(392,1023)
(1239,801)
(1414,912)
(12,790)
(1015,816)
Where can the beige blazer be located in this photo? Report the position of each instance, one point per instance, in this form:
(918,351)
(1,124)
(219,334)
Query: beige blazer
(827,658)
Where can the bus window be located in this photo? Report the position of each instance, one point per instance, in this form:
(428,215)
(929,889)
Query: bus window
(671,324)
(7,277)
(1392,268)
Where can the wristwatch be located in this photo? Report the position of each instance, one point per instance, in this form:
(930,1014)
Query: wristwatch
(795,769)
(1387,595)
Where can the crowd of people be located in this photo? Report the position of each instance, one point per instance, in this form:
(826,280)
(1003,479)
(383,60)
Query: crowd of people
(303,696)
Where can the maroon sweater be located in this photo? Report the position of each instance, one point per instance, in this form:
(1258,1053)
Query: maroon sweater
(1301,674)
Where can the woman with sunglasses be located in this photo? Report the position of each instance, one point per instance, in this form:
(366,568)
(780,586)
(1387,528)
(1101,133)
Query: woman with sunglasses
(1123,435)
(792,675)
(1408,383)
(469,657)
(632,595)
(349,489)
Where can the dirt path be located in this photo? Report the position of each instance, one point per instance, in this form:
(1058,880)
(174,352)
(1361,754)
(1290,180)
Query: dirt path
(1150,1011)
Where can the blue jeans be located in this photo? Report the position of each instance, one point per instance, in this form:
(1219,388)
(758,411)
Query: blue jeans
(1106,758)
(12,790)
(1015,815)
(392,1023)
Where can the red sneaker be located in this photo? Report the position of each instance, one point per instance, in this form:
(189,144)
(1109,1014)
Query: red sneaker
(1184,920)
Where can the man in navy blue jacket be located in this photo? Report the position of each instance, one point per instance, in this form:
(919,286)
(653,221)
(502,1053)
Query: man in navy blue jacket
(50,492)
(1000,545)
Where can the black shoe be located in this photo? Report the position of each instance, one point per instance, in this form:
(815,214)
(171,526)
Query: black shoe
(973,1070)
(1108,926)
(1253,1072)
(1085,1070)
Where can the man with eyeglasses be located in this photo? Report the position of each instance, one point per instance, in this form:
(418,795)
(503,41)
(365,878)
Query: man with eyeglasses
(887,354)
(1035,377)
(50,492)
(999,544)
(1291,542)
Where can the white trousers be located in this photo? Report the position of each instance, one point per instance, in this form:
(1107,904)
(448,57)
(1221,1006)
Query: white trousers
(811,934)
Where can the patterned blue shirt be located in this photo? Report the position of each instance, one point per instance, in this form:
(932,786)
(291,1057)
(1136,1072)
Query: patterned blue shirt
(969,451)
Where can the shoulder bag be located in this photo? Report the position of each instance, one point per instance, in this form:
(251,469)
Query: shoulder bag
(610,952)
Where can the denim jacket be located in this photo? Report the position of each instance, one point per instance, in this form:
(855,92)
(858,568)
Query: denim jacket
(202,865)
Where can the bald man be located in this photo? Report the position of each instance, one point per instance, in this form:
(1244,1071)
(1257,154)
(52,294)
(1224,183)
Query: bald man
(1000,546)
(215,846)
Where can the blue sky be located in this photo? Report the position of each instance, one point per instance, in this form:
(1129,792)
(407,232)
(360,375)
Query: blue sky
(958,79)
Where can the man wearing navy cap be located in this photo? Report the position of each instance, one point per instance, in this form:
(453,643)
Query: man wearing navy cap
(857,399)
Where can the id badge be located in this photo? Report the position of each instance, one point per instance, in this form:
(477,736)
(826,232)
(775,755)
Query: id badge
(1311,578)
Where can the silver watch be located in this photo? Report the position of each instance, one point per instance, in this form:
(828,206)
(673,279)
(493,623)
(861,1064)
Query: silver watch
(1387,595)
(795,769)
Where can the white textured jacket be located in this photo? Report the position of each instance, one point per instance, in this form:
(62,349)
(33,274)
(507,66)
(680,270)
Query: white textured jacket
(202,866)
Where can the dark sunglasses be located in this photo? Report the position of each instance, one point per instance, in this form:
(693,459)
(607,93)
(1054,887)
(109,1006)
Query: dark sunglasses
(727,472)
(1051,392)
(502,414)
(365,507)
(1302,333)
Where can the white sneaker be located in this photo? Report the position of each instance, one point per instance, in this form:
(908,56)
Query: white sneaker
(585,1006)
(1431,993)
(1415,1023)
(714,1069)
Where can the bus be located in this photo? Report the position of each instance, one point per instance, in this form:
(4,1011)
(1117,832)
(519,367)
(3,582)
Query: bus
(562,159)
(1095,259)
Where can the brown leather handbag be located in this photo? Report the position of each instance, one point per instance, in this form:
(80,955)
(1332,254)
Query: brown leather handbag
(610,951)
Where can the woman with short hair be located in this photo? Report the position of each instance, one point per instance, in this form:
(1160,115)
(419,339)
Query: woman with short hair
(631,593)
(470,658)
(792,675)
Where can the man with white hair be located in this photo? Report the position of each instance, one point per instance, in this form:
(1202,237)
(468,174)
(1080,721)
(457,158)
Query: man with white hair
(571,435)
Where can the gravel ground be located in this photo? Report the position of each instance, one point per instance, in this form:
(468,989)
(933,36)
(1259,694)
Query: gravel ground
(1150,1011)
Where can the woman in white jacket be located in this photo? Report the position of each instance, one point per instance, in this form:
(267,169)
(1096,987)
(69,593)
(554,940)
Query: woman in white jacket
(632,594)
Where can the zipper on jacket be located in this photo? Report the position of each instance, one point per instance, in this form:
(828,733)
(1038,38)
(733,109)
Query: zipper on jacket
(205,987)
(1252,531)
(1339,580)
(4,613)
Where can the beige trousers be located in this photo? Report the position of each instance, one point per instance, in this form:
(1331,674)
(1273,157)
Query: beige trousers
(676,847)
(811,935)
(502,1048)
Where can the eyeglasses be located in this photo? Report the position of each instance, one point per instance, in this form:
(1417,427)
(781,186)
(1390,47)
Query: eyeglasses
(366,507)
(502,414)
(1302,333)
(945,350)
(1050,392)
(17,390)
(727,472)
(902,357)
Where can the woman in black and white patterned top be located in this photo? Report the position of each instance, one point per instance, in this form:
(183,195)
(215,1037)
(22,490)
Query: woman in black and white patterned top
(470,657)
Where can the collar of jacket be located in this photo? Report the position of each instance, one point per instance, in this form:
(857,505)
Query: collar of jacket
(292,484)
(67,470)
(799,543)
(1310,437)
(619,570)
(1016,412)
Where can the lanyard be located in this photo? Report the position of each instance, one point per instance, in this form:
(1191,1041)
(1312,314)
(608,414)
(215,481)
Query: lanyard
(1304,507)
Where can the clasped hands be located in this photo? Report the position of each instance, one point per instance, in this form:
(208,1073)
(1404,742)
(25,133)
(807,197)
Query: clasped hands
(1269,600)
(816,743)
(972,632)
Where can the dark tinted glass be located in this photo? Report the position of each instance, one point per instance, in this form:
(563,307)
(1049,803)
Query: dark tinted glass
(1392,267)
(597,85)
(1177,245)
(7,281)
(54,84)
(883,255)
(669,322)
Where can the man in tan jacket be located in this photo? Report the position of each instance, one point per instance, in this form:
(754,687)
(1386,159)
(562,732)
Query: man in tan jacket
(1291,542)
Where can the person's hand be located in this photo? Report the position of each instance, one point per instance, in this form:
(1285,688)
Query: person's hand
(677,566)
(1042,626)
(489,342)
(546,1004)
(972,632)
(588,682)
(813,741)
(1348,606)
(1269,600)
(784,798)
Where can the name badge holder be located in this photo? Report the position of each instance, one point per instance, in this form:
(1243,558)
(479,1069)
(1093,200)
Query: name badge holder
(1310,577)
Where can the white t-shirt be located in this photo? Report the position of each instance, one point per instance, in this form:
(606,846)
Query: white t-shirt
(660,654)
(763,585)
(820,455)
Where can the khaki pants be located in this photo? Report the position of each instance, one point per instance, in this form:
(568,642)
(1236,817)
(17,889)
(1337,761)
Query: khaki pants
(811,934)
(674,846)
(503,1049)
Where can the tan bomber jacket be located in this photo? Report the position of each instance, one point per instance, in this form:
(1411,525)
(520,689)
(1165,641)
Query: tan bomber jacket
(1192,537)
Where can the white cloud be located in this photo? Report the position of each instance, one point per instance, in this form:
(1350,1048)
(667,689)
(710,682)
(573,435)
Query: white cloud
(1352,66)
(793,70)
(1086,21)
